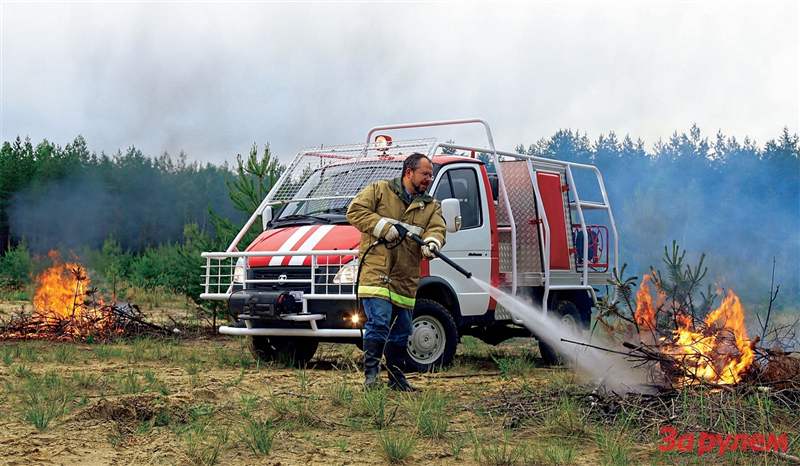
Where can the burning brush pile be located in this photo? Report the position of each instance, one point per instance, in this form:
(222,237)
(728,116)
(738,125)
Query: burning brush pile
(694,376)
(67,308)
(689,350)
(689,341)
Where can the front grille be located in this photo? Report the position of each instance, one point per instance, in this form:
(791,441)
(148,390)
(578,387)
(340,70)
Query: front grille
(323,277)
(275,273)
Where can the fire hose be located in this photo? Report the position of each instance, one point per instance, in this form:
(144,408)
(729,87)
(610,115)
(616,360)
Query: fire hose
(404,233)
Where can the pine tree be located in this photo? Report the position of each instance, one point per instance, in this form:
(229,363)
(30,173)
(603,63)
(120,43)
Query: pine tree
(255,177)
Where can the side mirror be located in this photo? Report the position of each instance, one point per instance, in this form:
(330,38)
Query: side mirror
(266,217)
(451,211)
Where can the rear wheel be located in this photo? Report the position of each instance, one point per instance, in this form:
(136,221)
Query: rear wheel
(434,337)
(294,352)
(571,318)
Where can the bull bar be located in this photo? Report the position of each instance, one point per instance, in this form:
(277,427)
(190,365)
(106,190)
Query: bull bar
(219,283)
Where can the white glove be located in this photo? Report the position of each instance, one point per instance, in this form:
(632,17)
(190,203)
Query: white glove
(429,249)
(391,234)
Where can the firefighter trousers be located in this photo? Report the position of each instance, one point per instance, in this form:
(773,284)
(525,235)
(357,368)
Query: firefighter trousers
(386,322)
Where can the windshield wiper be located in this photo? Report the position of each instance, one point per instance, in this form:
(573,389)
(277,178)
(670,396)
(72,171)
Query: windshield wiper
(303,217)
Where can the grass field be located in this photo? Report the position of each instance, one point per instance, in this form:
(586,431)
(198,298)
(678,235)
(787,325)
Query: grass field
(207,401)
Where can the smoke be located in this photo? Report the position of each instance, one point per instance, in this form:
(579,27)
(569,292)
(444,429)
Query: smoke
(737,203)
(70,213)
(738,219)
(206,77)
(130,200)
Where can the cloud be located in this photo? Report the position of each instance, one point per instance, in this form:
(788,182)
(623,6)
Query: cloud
(210,79)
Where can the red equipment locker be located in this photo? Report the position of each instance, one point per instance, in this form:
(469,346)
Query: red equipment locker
(552,194)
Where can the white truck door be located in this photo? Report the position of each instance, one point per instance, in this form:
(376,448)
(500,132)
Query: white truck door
(470,247)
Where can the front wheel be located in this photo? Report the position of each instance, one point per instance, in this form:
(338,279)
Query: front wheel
(295,352)
(434,337)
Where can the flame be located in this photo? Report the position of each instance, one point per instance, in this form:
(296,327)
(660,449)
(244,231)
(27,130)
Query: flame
(66,308)
(60,302)
(721,351)
(684,321)
(61,289)
(645,314)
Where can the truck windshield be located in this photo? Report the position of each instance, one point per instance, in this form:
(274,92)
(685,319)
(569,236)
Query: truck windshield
(326,192)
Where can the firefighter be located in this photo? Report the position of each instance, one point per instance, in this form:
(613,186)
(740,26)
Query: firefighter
(390,270)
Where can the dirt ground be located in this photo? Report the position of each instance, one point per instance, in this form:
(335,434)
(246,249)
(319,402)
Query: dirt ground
(207,401)
(108,421)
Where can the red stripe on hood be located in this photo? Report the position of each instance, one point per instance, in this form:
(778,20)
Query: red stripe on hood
(299,243)
(270,240)
(340,237)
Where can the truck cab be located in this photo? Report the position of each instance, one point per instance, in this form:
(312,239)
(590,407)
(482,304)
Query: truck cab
(520,228)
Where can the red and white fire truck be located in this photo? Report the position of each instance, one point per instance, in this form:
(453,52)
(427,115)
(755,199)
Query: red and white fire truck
(517,222)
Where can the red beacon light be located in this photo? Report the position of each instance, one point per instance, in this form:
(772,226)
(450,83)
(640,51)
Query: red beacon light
(382,143)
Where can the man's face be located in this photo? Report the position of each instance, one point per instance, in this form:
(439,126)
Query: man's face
(422,177)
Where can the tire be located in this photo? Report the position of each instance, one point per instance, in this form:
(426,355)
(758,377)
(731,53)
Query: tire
(570,316)
(434,337)
(295,352)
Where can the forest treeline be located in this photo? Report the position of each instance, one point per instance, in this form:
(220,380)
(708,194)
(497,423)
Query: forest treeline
(69,197)
(143,220)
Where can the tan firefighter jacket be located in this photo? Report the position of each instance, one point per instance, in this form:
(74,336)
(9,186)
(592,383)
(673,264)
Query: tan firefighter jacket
(393,273)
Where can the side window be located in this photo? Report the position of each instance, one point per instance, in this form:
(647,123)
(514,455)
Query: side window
(462,184)
(443,191)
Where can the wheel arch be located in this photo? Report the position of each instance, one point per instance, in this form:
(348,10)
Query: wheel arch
(566,304)
(437,289)
(581,298)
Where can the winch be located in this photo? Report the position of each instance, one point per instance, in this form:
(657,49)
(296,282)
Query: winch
(267,305)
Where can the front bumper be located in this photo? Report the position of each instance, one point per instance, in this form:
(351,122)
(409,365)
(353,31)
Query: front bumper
(320,316)
(292,332)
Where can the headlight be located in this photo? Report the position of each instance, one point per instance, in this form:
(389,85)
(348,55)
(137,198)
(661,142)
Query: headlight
(347,274)
(239,271)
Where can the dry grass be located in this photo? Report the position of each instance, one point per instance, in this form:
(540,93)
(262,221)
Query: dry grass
(205,401)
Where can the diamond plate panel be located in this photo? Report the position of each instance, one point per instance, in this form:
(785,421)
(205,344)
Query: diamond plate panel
(520,196)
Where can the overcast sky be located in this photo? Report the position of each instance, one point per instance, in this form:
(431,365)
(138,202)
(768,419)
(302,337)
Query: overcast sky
(212,78)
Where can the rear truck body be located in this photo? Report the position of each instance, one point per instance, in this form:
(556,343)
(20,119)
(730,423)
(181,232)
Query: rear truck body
(523,228)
